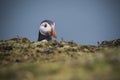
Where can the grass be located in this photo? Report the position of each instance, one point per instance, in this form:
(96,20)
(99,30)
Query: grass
(21,59)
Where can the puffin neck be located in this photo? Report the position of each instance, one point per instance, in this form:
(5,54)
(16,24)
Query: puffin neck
(42,37)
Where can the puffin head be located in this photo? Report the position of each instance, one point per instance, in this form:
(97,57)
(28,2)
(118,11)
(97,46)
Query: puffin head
(47,29)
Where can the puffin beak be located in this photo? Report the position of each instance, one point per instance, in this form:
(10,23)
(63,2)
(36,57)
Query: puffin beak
(54,33)
(49,32)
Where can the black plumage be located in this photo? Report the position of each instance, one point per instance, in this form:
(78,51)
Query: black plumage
(44,37)
(48,21)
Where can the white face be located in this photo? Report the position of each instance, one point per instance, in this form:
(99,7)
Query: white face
(44,28)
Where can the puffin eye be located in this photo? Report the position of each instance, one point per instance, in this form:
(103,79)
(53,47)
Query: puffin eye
(45,25)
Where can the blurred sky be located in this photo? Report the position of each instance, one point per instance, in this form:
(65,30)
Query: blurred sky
(83,21)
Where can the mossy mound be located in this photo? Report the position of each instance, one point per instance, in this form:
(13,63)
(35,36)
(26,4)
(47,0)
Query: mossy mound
(111,43)
(21,59)
(22,49)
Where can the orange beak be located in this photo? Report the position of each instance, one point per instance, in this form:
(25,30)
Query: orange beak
(54,33)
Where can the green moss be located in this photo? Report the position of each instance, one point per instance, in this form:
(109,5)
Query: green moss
(21,59)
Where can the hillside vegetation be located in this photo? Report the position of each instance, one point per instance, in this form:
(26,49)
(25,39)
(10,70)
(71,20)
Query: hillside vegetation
(21,59)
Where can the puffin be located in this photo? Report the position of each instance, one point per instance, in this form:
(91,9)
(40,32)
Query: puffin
(47,30)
